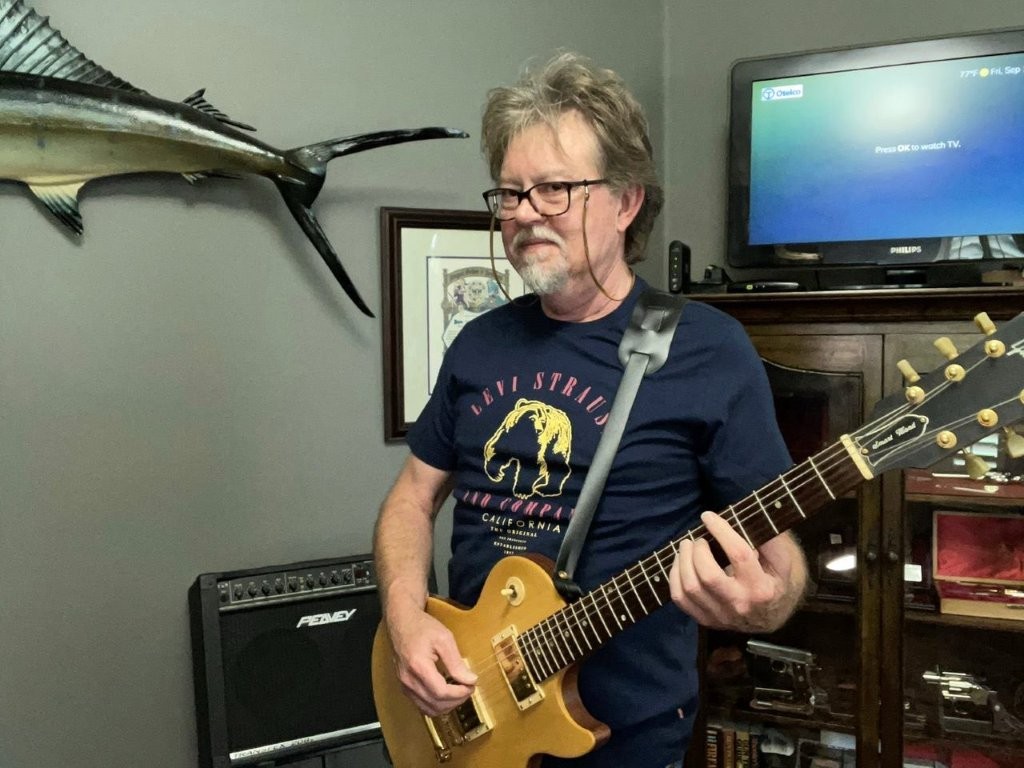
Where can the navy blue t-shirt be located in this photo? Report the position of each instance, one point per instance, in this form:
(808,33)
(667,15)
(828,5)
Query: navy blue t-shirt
(516,414)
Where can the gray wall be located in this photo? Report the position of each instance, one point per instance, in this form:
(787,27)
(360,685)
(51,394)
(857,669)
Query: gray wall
(704,38)
(184,389)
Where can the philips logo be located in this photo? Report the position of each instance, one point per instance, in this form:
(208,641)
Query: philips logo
(777,93)
(906,249)
(316,619)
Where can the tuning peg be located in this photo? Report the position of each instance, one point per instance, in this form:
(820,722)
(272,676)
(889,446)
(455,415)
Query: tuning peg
(1014,443)
(946,348)
(910,376)
(984,323)
(977,467)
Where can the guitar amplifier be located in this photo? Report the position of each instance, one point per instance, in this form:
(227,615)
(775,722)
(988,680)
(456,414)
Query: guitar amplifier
(281,660)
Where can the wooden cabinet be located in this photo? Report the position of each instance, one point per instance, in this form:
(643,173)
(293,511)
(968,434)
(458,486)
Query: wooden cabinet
(857,675)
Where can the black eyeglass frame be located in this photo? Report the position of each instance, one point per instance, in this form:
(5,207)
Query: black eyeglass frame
(495,210)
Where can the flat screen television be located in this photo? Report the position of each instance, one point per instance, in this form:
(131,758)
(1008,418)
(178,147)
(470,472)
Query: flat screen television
(891,164)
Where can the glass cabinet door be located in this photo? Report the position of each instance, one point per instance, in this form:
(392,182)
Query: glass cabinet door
(960,528)
(792,697)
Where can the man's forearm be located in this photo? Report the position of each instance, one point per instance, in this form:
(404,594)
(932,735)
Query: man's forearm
(403,550)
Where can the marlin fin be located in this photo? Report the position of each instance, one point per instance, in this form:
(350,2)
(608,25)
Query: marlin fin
(197,101)
(197,176)
(292,195)
(62,201)
(30,46)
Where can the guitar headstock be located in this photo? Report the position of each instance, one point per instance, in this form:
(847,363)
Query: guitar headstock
(974,394)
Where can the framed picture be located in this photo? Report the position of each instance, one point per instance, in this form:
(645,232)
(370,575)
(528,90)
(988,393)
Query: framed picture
(436,276)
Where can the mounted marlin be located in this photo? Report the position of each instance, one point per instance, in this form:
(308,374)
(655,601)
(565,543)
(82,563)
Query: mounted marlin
(64,121)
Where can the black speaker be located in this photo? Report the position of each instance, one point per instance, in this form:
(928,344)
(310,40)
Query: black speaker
(678,267)
(281,660)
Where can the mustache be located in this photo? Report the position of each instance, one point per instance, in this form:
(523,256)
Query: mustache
(539,232)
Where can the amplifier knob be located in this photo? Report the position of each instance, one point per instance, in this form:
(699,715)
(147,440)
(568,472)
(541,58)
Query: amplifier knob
(265,588)
(253,590)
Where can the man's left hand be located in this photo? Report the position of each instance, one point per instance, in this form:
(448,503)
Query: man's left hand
(756,592)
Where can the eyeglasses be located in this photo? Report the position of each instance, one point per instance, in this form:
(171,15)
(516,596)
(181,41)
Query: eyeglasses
(549,198)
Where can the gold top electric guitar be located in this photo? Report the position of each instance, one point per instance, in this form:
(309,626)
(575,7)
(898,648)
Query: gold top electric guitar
(523,641)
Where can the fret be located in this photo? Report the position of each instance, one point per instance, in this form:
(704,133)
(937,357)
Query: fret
(796,503)
(552,640)
(568,630)
(581,624)
(647,578)
(765,511)
(822,479)
(611,608)
(622,599)
(536,656)
(532,663)
(593,600)
(739,525)
(636,592)
(544,656)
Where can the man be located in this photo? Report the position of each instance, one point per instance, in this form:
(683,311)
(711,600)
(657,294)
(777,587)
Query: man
(518,410)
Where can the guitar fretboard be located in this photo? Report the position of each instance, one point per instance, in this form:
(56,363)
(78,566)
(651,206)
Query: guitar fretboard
(573,632)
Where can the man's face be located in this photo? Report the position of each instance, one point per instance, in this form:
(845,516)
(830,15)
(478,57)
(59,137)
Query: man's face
(547,251)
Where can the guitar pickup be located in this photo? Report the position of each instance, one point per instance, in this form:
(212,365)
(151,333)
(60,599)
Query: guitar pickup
(464,723)
(513,666)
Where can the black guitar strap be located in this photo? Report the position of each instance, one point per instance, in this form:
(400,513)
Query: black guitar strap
(643,350)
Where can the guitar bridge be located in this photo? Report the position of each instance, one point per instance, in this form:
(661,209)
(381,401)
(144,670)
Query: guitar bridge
(464,723)
(513,667)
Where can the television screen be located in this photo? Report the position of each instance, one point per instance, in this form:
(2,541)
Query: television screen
(899,154)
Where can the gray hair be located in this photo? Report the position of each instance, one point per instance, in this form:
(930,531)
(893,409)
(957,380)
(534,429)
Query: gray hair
(570,82)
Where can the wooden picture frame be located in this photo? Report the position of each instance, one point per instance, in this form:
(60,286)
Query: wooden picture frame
(436,275)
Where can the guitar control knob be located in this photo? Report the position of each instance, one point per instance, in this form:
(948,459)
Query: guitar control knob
(514,591)
(946,348)
(984,323)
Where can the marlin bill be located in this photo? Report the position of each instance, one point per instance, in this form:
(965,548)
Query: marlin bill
(64,121)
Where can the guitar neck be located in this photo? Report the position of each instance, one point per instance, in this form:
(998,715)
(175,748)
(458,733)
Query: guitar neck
(584,625)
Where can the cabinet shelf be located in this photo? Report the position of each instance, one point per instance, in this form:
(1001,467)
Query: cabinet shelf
(840,355)
(974,622)
(780,720)
(979,502)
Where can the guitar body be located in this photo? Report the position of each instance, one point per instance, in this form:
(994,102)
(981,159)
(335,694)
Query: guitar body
(557,724)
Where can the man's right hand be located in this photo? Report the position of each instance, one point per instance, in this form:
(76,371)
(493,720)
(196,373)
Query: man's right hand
(428,664)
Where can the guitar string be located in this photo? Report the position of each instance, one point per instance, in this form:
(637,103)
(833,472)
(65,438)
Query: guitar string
(753,507)
(542,645)
(541,639)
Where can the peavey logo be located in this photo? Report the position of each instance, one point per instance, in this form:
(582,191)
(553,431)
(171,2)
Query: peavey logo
(316,619)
